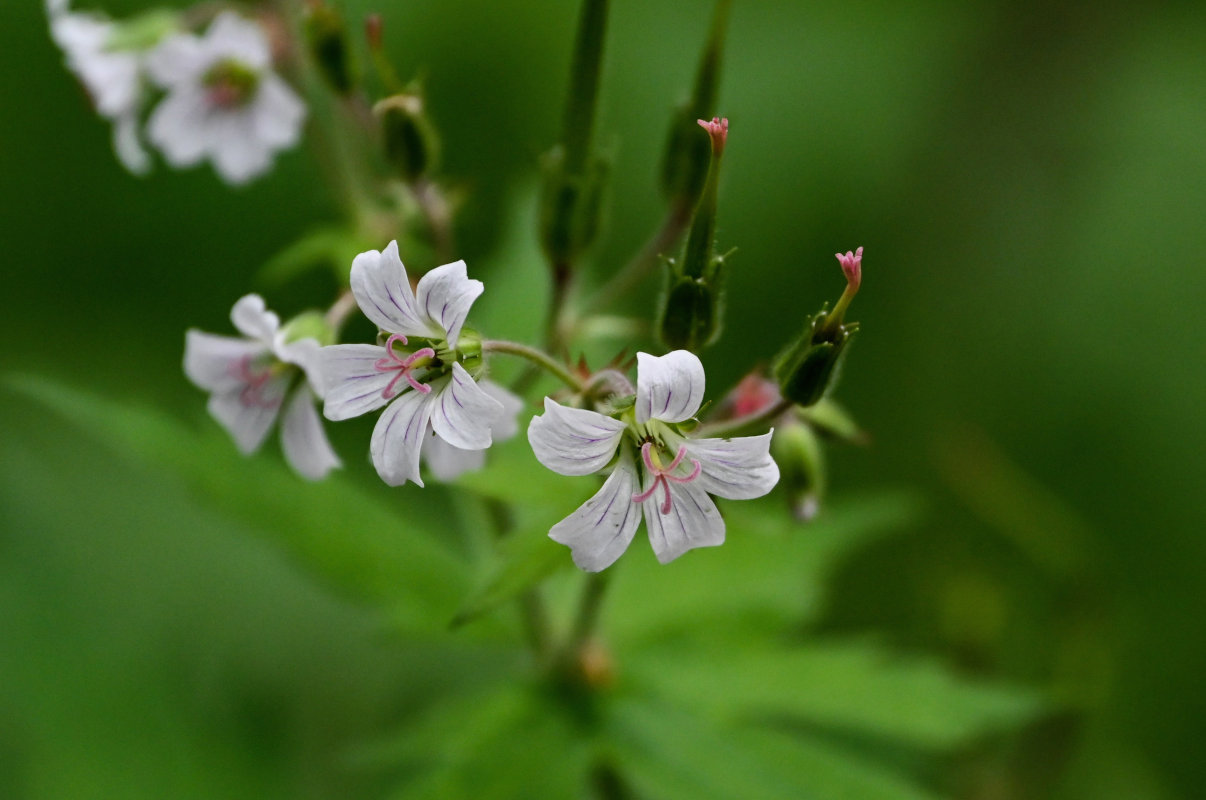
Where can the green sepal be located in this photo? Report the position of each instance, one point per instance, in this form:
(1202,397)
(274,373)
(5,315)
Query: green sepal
(692,309)
(142,31)
(326,36)
(808,369)
(410,140)
(309,325)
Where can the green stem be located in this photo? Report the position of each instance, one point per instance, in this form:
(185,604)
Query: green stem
(639,265)
(535,356)
(747,425)
(584,84)
(589,606)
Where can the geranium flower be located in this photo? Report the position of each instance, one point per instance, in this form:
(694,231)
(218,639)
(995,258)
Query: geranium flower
(447,463)
(224,102)
(250,380)
(420,373)
(112,77)
(661,475)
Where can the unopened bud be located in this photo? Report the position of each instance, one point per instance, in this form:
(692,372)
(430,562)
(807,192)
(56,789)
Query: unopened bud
(797,451)
(718,132)
(411,143)
(571,208)
(693,310)
(326,36)
(142,31)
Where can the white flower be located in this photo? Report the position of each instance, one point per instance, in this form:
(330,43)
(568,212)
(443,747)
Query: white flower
(113,78)
(427,384)
(661,474)
(447,463)
(249,379)
(224,102)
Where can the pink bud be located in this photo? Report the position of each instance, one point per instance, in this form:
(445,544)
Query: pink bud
(852,266)
(718,129)
(373,30)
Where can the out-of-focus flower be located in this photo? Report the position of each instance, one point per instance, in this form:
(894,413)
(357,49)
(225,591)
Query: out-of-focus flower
(112,77)
(223,101)
(661,474)
(251,378)
(420,372)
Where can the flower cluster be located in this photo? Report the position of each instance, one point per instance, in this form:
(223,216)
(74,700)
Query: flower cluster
(222,101)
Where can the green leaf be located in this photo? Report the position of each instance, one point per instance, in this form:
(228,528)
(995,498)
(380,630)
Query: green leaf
(347,536)
(330,246)
(525,558)
(514,476)
(851,687)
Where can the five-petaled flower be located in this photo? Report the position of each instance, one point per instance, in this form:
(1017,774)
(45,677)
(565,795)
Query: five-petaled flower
(661,474)
(249,379)
(224,102)
(420,372)
(113,77)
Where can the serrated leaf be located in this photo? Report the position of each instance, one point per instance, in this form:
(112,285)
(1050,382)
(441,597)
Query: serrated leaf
(339,532)
(850,687)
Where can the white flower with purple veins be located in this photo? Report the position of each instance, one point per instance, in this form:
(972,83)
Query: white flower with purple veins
(447,463)
(252,378)
(113,77)
(424,373)
(223,101)
(661,474)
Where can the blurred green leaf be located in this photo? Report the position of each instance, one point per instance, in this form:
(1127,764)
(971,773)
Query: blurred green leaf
(339,532)
(514,476)
(525,558)
(331,246)
(845,686)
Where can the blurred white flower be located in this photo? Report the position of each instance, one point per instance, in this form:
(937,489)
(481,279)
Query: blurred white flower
(113,78)
(418,373)
(661,475)
(223,101)
(249,378)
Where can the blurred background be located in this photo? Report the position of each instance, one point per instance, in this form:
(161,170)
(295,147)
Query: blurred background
(1029,182)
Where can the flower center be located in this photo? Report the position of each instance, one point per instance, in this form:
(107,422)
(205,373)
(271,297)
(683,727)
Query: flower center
(662,476)
(230,84)
(403,366)
(254,377)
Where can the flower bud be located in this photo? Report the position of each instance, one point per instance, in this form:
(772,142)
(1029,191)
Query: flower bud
(808,369)
(326,36)
(411,143)
(797,451)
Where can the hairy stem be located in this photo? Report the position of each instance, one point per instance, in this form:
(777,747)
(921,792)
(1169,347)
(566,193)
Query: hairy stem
(535,356)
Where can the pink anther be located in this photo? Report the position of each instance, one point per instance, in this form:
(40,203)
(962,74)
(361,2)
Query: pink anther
(662,476)
(403,366)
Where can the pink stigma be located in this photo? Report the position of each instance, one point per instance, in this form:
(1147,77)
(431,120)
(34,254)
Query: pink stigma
(718,129)
(662,476)
(252,393)
(852,266)
(402,366)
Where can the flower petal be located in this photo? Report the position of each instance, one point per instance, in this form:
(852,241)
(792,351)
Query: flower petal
(505,424)
(128,146)
(573,441)
(383,293)
(303,439)
(253,320)
(305,353)
(248,419)
(601,529)
(231,36)
(447,463)
(178,60)
(278,112)
(738,469)
(462,413)
(352,384)
(693,521)
(179,127)
(212,362)
(398,438)
(669,388)
(445,295)
(237,153)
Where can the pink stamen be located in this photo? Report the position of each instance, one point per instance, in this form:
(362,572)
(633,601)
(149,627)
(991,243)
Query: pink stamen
(392,361)
(252,393)
(662,476)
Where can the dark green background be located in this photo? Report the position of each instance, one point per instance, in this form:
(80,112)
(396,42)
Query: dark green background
(1029,182)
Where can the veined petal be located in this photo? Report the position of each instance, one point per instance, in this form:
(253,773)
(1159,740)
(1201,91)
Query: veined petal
(398,438)
(179,127)
(383,293)
(505,424)
(278,112)
(601,529)
(177,60)
(447,463)
(128,146)
(212,362)
(251,317)
(303,439)
(352,384)
(693,521)
(462,413)
(445,295)
(573,441)
(248,416)
(670,387)
(234,37)
(740,468)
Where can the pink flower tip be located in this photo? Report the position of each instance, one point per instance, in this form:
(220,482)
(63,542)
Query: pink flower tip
(852,266)
(718,129)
